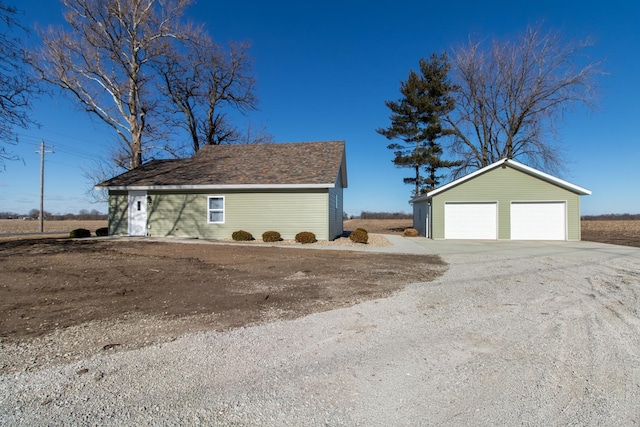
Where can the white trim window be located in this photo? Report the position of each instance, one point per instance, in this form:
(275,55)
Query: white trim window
(215,209)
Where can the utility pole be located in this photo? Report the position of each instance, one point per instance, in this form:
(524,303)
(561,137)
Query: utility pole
(42,151)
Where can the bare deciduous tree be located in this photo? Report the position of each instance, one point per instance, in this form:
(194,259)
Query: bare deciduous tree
(98,172)
(17,85)
(513,94)
(253,134)
(202,81)
(105,62)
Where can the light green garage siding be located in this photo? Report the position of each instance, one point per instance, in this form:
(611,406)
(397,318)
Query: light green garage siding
(420,217)
(504,185)
(118,213)
(288,212)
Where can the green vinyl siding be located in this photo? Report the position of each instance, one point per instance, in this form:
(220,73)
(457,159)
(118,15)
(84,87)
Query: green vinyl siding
(336,208)
(288,212)
(118,213)
(504,185)
(420,215)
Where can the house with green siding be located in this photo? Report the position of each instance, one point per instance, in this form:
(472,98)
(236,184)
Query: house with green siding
(505,200)
(288,188)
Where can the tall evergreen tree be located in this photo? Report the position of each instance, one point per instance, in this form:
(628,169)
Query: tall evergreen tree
(416,120)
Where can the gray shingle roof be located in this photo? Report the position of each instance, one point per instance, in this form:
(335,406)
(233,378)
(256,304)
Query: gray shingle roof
(302,163)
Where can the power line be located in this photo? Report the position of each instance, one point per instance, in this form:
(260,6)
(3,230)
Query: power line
(67,149)
(65,164)
(42,152)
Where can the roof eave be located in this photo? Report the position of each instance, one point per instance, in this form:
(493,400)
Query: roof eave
(514,164)
(212,187)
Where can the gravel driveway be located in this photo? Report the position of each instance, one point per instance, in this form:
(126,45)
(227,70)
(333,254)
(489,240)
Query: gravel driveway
(508,338)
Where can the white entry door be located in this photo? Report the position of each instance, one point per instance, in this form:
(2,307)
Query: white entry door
(538,221)
(471,220)
(137,213)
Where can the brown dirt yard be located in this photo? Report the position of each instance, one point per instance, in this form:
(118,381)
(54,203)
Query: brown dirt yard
(78,297)
(63,299)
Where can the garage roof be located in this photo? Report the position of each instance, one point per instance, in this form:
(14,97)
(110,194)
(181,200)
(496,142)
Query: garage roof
(512,163)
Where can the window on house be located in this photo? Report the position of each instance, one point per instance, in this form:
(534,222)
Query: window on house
(215,209)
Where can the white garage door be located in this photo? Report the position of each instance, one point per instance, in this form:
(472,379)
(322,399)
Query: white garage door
(470,221)
(538,221)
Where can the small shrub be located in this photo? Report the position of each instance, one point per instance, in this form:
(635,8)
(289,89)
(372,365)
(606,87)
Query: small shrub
(306,237)
(241,236)
(410,232)
(271,236)
(101,232)
(79,233)
(359,235)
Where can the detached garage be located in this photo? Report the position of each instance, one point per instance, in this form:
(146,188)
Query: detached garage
(505,200)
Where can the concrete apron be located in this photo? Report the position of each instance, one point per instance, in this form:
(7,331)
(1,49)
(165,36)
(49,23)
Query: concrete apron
(424,246)
(421,245)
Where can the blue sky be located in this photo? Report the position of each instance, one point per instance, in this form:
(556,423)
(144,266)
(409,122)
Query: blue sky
(324,70)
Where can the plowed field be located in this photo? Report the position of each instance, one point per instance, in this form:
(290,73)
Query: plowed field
(10,226)
(626,232)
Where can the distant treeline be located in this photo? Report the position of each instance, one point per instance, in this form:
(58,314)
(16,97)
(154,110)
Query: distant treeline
(83,215)
(383,215)
(403,215)
(612,217)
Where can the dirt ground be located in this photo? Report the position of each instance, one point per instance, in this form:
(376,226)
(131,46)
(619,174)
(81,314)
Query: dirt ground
(52,284)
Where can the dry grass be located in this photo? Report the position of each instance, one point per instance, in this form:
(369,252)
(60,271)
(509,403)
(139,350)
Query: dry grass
(10,226)
(381,226)
(618,227)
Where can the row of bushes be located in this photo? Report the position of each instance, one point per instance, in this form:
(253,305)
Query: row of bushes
(79,233)
(273,236)
(359,235)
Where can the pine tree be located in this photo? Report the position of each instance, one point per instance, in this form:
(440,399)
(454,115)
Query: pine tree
(416,120)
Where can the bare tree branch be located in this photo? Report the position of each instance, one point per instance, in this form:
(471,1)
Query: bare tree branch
(99,172)
(17,85)
(104,63)
(254,135)
(203,81)
(513,95)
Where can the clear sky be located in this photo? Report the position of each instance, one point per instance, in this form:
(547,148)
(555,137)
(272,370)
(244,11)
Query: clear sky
(324,70)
